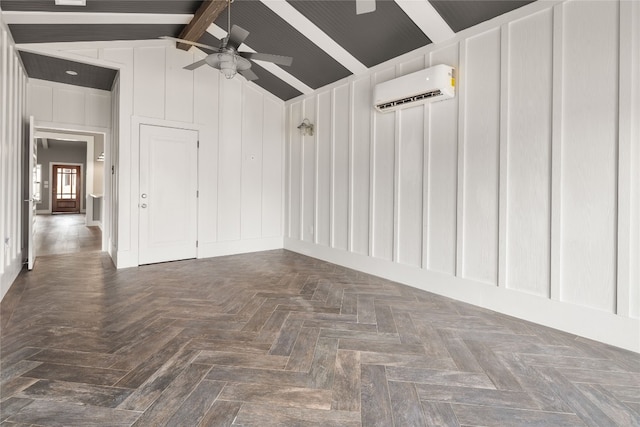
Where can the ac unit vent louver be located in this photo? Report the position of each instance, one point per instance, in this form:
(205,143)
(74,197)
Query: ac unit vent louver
(410,99)
(433,84)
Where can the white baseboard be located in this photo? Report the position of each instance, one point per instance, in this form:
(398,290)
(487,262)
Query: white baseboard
(208,250)
(594,324)
(126,259)
(9,275)
(112,251)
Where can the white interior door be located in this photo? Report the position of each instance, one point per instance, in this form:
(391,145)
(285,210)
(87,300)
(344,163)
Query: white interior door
(33,188)
(168,194)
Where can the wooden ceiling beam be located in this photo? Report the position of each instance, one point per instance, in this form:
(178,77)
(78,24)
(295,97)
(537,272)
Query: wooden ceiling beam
(208,12)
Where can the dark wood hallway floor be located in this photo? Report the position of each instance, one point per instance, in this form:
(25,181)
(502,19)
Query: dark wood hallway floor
(65,233)
(279,339)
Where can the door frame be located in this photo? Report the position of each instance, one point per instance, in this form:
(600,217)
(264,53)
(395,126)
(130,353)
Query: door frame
(88,132)
(52,190)
(128,245)
(32,162)
(140,198)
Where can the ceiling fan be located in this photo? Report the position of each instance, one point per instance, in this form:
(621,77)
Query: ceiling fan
(227,59)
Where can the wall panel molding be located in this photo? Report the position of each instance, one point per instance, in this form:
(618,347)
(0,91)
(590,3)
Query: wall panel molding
(589,153)
(555,253)
(627,292)
(503,157)
(462,137)
(525,165)
(13,116)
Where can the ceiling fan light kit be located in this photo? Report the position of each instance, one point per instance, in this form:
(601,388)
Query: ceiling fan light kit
(365,6)
(71,2)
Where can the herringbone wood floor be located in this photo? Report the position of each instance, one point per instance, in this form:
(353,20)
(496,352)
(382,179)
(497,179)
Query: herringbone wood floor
(279,339)
(65,233)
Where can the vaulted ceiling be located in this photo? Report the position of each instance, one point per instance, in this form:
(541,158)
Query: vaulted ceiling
(326,38)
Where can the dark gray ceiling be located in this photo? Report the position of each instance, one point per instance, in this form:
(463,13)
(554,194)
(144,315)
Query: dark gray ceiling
(373,37)
(370,39)
(271,34)
(53,33)
(54,69)
(113,6)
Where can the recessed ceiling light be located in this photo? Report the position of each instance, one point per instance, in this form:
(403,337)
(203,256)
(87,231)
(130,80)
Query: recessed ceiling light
(71,2)
(71,72)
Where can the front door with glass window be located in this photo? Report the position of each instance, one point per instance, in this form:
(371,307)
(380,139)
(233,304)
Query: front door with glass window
(66,188)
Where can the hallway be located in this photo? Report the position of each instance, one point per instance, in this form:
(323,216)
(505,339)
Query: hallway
(65,233)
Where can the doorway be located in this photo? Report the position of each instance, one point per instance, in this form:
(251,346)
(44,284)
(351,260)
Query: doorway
(72,214)
(65,191)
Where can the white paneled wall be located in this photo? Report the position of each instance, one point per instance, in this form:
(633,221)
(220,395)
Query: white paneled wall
(13,83)
(527,139)
(67,106)
(241,154)
(308,179)
(479,166)
(588,161)
(441,176)
(360,157)
(519,195)
(323,138)
(241,132)
(382,177)
(339,168)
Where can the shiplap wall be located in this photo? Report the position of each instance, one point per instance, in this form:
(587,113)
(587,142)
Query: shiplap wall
(13,83)
(67,106)
(241,155)
(519,195)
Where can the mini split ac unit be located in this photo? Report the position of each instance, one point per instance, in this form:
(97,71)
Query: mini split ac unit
(436,83)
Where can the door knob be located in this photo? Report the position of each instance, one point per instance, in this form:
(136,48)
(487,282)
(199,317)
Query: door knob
(143,195)
(144,205)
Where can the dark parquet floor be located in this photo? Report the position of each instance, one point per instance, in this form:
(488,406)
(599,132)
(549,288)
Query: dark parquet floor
(279,339)
(65,233)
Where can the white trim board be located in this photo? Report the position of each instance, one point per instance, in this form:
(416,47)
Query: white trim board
(209,250)
(583,321)
(10,274)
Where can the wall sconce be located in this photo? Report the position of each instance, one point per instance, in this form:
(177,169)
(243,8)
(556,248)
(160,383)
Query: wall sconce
(306,128)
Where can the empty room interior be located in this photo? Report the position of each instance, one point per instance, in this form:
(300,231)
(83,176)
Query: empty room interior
(320,213)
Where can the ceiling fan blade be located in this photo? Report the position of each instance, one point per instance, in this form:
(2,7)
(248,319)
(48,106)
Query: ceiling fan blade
(276,59)
(195,65)
(237,36)
(248,74)
(365,6)
(206,46)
